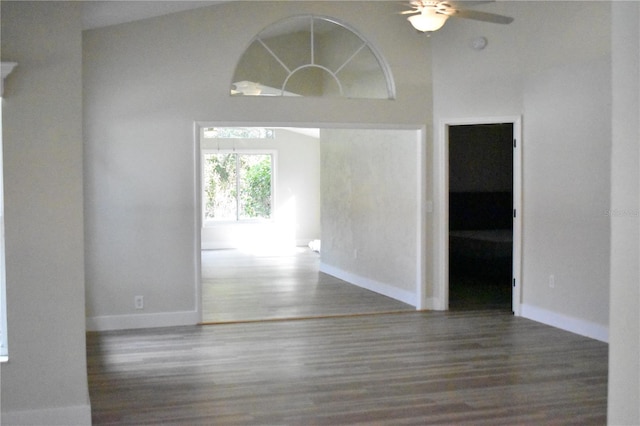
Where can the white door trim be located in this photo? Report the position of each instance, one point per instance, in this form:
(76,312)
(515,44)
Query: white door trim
(441,211)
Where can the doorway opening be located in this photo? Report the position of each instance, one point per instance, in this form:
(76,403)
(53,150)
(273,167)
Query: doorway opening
(480,216)
(282,266)
(478,225)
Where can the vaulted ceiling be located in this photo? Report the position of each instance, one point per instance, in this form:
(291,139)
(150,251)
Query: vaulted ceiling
(103,13)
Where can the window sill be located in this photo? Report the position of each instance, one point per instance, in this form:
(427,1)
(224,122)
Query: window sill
(214,223)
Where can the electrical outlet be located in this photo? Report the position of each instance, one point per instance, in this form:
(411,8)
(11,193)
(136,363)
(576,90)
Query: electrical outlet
(552,281)
(139,302)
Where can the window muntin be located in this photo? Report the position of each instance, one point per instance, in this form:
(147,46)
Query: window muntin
(237,186)
(311,56)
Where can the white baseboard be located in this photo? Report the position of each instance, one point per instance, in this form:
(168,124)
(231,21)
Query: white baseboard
(77,415)
(369,284)
(124,322)
(565,322)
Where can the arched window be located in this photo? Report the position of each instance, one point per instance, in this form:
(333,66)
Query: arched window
(312,56)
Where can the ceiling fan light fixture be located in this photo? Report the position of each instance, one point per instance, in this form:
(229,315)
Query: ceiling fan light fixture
(428,20)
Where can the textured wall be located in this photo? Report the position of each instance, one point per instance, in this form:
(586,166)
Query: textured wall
(369,190)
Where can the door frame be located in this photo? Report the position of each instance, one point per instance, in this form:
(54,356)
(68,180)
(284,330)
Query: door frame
(441,213)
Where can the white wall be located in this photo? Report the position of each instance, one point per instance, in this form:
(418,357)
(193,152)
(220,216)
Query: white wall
(553,66)
(145,84)
(296,210)
(624,338)
(371,191)
(45,380)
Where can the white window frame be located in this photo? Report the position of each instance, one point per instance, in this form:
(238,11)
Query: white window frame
(211,223)
(252,88)
(5,69)
(4,349)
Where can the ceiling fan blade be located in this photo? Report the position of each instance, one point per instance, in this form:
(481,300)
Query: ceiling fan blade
(407,12)
(480,16)
(467,3)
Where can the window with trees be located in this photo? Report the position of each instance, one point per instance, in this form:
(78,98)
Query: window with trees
(237,186)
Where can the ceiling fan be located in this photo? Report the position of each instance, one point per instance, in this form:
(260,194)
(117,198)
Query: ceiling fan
(429,16)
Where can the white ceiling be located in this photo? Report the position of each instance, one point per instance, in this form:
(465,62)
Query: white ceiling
(103,13)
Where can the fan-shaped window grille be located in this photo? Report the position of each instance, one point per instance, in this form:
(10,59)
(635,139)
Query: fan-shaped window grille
(311,56)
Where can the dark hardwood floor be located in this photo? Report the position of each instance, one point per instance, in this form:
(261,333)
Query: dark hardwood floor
(241,286)
(339,367)
(466,367)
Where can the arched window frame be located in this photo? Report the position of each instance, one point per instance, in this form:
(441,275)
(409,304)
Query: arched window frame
(249,88)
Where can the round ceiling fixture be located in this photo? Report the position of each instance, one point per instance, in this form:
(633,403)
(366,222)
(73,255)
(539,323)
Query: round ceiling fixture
(479,43)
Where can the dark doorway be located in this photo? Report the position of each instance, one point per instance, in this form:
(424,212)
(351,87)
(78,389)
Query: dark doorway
(480,216)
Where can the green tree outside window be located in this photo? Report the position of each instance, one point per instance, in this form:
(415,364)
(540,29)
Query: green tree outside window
(237,186)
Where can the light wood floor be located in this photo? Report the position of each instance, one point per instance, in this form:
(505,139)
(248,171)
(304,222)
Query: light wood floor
(239,286)
(417,368)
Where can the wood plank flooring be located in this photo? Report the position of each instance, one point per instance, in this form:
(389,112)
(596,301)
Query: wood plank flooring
(417,368)
(239,286)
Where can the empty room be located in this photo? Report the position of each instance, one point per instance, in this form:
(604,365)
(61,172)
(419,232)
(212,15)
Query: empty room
(104,212)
